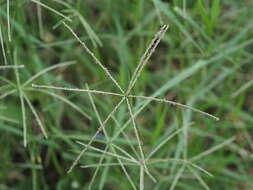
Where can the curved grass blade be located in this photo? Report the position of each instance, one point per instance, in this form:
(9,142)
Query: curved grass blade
(65,100)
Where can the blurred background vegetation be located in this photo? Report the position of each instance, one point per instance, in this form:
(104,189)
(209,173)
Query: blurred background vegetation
(204,61)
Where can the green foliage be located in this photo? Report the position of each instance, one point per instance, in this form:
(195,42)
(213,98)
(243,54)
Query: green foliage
(209,17)
(106,88)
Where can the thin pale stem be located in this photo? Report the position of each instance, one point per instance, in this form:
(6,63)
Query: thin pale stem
(141,178)
(158,12)
(124,152)
(64,64)
(21,99)
(199,178)
(144,59)
(2,44)
(94,136)
(8,81)
(23,117)
(40,21)
(36,116)
(98,167)
(77,90)
(242,89)
(107,153)
(93,57)
(127,175)
(163,143)
(213,149)
(184,8)
(183,161)
(8,93)
(11,66)
(178,175)
(65,100)
(8,19)
(176,104)
(125,125)
(9,119)
(51,9)
(142,159)
(135,130)
(109,164)
(159,161)
(126,137)
(201,169)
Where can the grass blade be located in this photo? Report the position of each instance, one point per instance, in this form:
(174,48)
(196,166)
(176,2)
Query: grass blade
(2,44)
(8,19)
(201,181)
(65,100)
(163,143)
(21,97)
(51,9)
(141,178)
(64,64)
(178,175)
(243,88)
(36,116)
(213,149)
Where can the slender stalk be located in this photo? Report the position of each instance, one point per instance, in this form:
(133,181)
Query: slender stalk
(77,90)
(141,178)
(213,149)
(110,144)
(108,165)
(163,143)
(93,57)
(144,59)
(94,136)
(2,44)
(51,9)
(36,116)
(8,20)
(21,99)
(65,100)
(176,104)
(40,21)
(142,159)
(11,67)
(59,65)
(107,153)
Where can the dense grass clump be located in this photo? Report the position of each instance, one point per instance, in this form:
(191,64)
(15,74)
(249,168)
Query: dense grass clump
(126,94)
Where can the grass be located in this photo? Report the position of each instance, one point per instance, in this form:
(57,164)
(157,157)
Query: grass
(112,117)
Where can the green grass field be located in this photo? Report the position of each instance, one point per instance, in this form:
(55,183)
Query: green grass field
(126,94)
